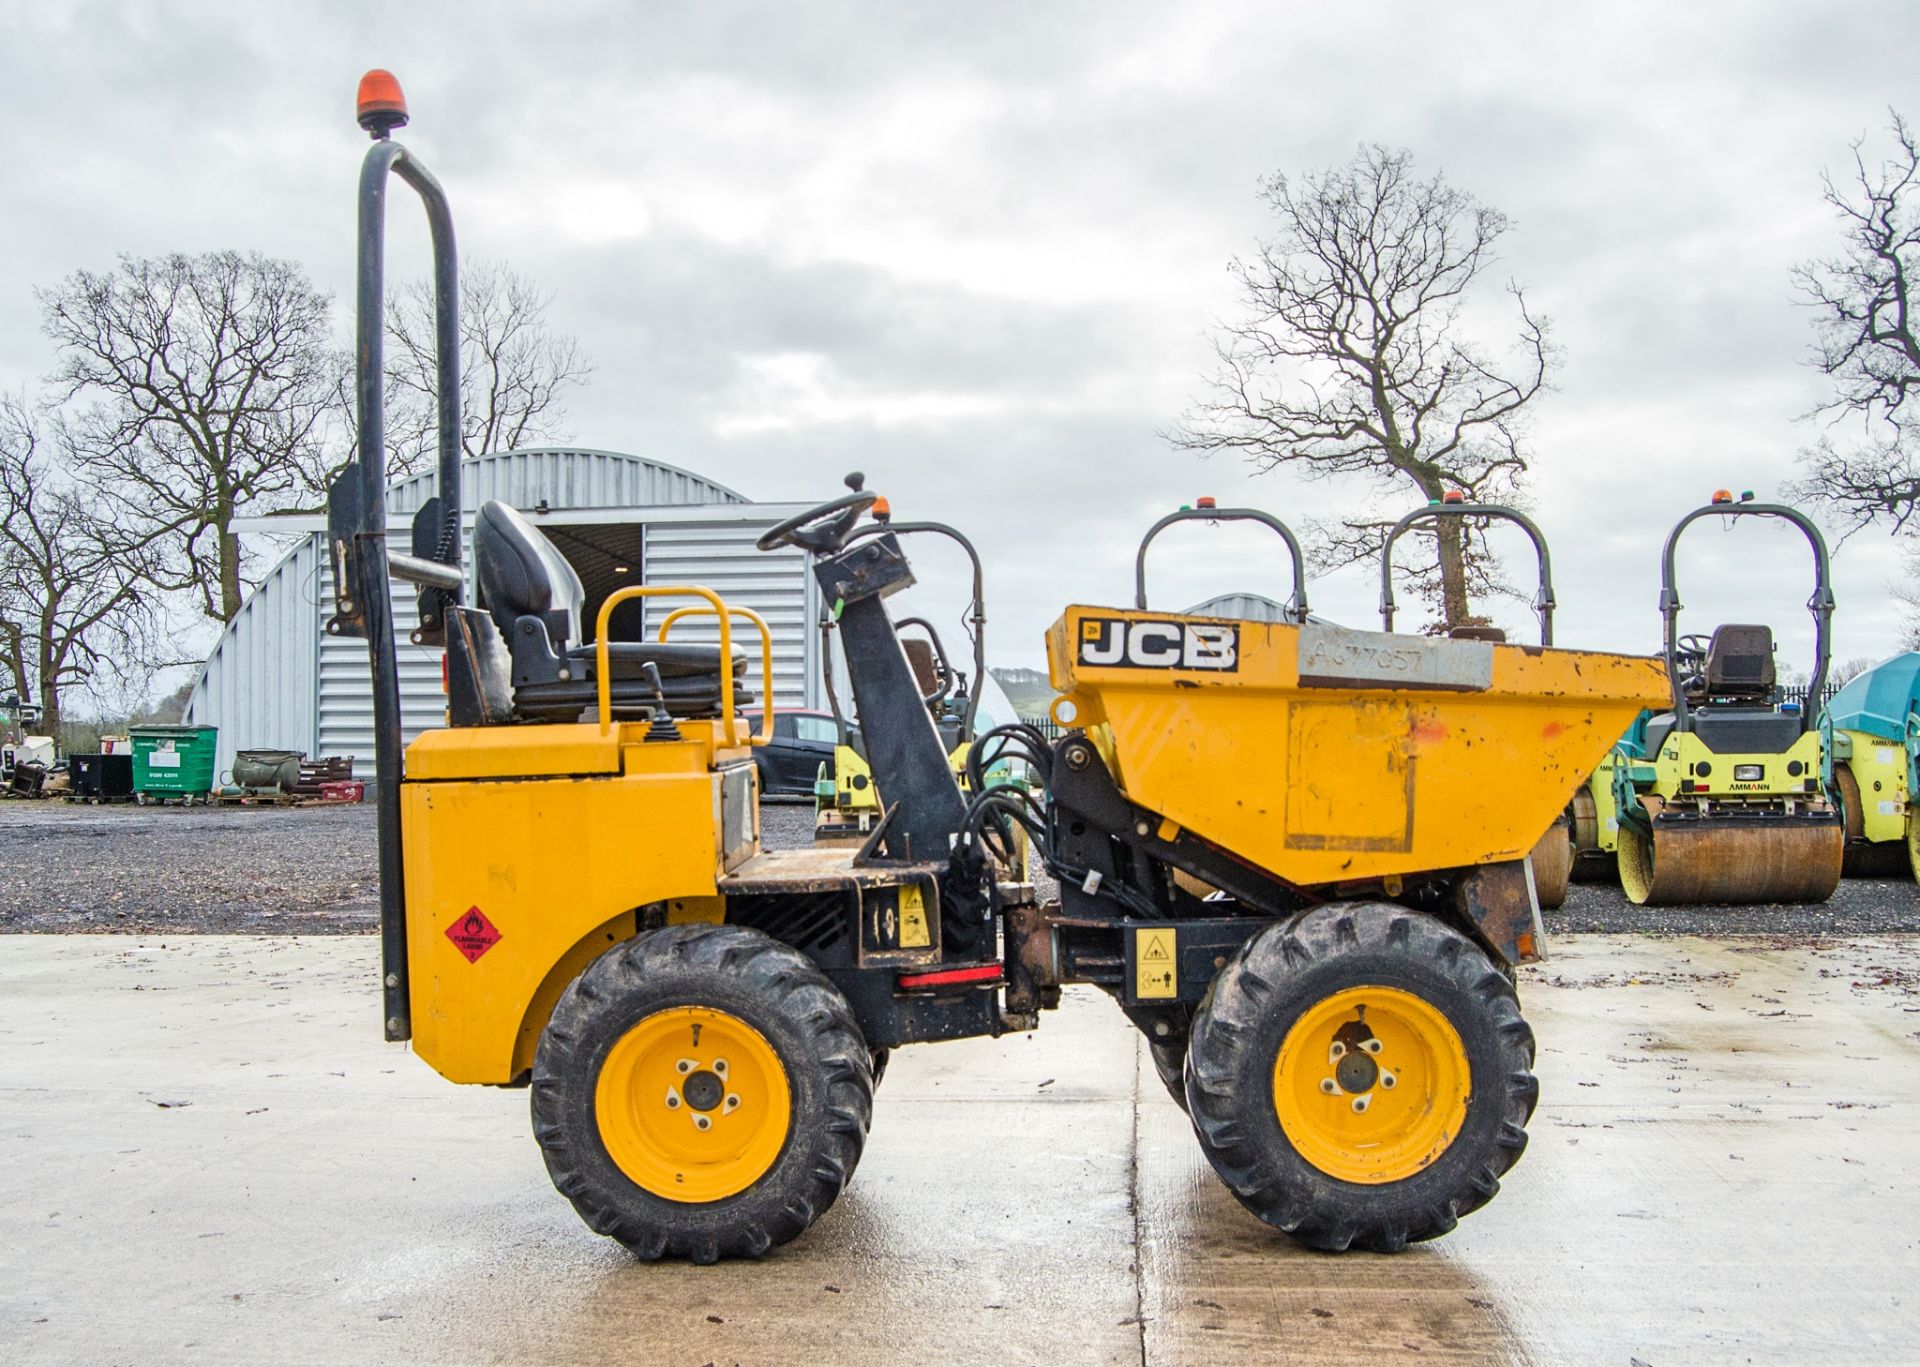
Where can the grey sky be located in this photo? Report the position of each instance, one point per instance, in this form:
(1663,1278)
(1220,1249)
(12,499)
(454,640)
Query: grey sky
(974,250)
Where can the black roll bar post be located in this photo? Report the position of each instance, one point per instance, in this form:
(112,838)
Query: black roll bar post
(1820,605)
(1543,601)
(357,515)
(1296,605)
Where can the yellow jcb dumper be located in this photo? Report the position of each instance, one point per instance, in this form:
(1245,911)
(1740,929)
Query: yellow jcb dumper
(574,893)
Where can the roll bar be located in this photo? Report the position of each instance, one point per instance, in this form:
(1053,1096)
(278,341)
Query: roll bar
(1296,605)
(1820,605)
(357,501)
(1543,601)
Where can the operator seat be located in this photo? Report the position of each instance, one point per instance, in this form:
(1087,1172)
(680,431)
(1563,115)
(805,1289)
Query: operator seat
(535,597)
(1740,663)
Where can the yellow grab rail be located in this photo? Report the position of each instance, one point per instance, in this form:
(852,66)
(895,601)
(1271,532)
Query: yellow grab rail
(603,671)
(766,656)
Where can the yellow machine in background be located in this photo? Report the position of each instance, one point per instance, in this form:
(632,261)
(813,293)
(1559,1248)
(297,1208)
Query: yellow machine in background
(1735,810)
(1295,857)
(1871,735)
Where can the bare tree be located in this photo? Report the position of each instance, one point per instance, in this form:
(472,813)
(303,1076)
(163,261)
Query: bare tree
(1867,340)
(1350,359)
(208,384)
(76,592)
(515,370)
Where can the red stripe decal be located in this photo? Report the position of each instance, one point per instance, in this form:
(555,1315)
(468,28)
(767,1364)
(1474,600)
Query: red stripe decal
(979,973)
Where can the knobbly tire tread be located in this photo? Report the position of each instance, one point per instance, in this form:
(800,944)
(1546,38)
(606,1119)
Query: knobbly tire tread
(1237,1035)
(1170,1062)
(783,995)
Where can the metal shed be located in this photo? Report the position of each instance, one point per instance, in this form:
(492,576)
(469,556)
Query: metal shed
(276,680)
(1242,607)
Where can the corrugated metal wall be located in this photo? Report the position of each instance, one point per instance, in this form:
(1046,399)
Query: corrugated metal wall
(566,478)
(258,685)
(720,556)
(1242,607)
(343,708)
(275,680)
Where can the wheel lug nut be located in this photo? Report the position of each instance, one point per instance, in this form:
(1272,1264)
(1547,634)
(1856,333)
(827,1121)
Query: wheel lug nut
(1359,1104)
(1388,1079)
(1329,1086)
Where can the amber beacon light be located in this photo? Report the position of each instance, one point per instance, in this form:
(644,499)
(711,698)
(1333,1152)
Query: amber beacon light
(381,107)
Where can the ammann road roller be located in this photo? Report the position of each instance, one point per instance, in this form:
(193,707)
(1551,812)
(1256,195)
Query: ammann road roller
(1294,852)
(1870,733)
(1735,810)
(1551,861)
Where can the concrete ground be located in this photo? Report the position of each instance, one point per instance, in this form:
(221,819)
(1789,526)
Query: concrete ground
(210,1156)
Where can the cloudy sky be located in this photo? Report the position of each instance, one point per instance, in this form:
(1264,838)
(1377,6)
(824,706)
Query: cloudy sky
(976,250)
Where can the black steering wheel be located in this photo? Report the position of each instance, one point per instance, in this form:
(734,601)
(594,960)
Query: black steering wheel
(823,529)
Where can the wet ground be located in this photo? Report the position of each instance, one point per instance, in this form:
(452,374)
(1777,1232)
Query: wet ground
(311,870)
(211,1157)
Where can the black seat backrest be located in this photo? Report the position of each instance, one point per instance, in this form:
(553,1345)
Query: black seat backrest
(522,575)
(1740,662)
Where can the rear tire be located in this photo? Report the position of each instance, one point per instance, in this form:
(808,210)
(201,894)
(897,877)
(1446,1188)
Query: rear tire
(1420,1120)
(1170,1062)
(692,1024)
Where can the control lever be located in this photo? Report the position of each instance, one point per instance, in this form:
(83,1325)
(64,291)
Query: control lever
(662,726)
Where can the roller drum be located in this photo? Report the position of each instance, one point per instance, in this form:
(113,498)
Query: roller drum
(1730,860)
(1553,863)
(1591,864)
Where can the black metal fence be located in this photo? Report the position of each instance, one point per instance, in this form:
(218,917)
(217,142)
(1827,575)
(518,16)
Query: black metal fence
(1797,693)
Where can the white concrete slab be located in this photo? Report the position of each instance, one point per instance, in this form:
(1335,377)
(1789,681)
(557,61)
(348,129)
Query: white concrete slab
(210,1156)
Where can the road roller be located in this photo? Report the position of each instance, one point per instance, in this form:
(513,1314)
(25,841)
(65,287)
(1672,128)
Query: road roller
(575,897)
(1870,735)
(1595,810)
(1551,862)
(1736,811)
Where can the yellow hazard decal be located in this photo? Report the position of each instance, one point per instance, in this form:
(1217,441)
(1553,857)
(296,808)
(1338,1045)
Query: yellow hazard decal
(1153,960)
(913,918)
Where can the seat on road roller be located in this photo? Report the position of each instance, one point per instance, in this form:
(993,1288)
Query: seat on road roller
(535,598)
(1740,662)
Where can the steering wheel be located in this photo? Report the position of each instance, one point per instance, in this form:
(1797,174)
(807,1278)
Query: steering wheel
(1693,645)
(821,529)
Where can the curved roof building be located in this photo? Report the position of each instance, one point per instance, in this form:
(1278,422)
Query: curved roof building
(275,680)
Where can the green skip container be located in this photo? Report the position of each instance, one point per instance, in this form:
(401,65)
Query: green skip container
(173,762)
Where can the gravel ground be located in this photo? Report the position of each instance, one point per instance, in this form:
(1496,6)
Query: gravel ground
(310,870)
(1860,906)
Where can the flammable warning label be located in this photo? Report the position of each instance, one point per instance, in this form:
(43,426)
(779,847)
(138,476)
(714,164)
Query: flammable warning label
(1153,960)
(473,934)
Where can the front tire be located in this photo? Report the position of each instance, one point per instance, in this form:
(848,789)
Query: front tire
(1361,1077)
(702,1092)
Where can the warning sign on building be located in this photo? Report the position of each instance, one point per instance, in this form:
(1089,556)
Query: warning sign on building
(1153,961)
(473,934)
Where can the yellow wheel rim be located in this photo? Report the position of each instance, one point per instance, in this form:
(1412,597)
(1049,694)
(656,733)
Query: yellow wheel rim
(1371,1084)
(693,1104)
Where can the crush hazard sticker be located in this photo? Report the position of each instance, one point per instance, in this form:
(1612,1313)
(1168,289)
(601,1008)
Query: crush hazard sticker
(473,934)
(1153,949)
